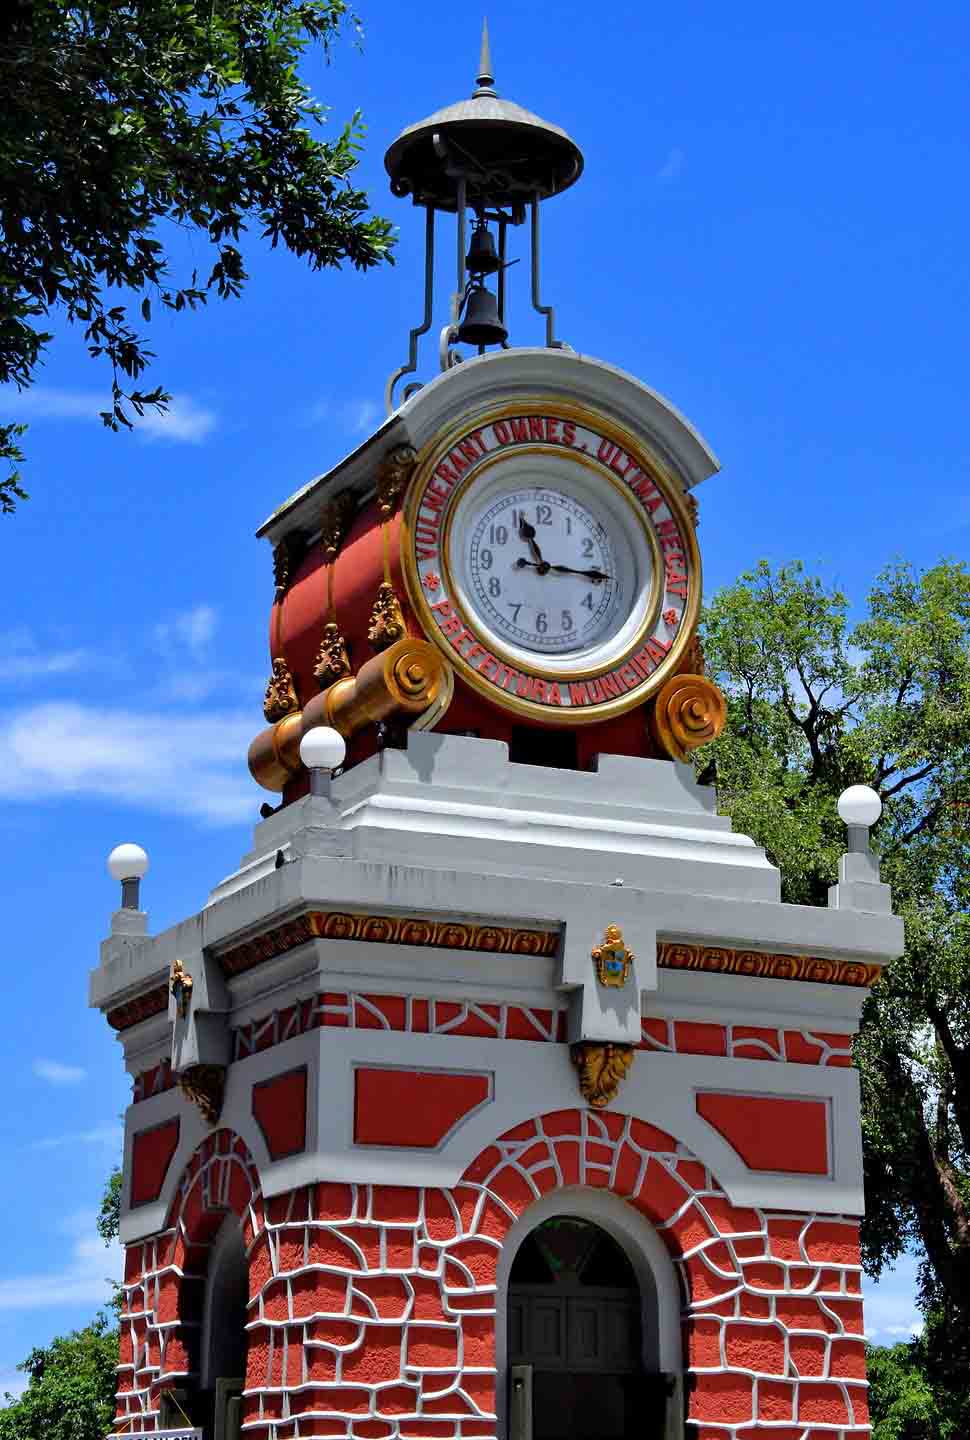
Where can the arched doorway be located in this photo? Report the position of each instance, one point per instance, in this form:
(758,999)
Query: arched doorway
(214,1403)
(224,1330)
(575,1339)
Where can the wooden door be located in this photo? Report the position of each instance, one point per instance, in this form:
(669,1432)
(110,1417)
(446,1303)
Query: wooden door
(574,1324)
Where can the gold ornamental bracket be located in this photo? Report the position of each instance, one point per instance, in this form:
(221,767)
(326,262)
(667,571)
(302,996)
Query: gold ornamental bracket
(410,682)
(333,660)
(280,698)
(602,1069)
(386,619)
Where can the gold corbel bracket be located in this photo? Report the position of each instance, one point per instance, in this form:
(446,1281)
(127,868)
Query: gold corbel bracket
(393,474)
(205,1086)
(180,984)
(336,518)
(602,1068)
(287,555)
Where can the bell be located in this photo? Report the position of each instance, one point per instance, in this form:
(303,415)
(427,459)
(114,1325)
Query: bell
(481,258)
(482,325)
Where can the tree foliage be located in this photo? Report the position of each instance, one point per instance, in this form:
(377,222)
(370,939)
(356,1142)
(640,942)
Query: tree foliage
(70,1390)
(124,121)
(816,705)
(109,1215)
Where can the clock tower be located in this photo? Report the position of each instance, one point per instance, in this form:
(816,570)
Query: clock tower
(496,1093)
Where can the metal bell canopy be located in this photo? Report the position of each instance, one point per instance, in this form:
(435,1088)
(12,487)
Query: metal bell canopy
(490,157)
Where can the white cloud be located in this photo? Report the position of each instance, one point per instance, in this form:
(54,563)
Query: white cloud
(21,657)
(192,765)
(102,1135)
(672,166)
(353,417)
(184,420)
(13,1383)
(191,632)
(85,1278)
(57,1073)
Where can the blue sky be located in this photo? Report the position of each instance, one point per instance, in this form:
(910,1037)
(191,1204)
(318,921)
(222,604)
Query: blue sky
(773,230)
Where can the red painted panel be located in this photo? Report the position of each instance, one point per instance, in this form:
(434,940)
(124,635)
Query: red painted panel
(151,1155)
(279,1109)
(771,1132)
(412,1107)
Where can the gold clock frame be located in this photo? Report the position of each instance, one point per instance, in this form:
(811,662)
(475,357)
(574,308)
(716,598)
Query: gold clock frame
(673,494)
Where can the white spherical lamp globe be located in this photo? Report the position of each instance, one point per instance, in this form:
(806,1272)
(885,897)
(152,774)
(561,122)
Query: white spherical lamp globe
(127,862)
(323,748)
(859,805)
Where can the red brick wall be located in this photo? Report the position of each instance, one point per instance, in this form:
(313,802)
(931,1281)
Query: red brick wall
(372,1307)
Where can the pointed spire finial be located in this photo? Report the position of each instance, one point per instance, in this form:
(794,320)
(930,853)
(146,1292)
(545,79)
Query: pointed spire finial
(485,80)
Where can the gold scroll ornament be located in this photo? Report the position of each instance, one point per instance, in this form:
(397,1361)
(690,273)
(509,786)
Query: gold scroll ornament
(602,1068)
(688,711)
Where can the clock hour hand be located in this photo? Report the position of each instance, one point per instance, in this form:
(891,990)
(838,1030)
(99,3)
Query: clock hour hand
(528,534)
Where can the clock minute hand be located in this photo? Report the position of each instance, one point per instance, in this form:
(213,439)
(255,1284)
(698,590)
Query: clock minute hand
(597,576)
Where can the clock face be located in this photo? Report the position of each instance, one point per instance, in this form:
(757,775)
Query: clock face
(544,571)
(556,581)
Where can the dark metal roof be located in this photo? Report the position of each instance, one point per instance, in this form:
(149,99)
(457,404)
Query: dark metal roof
(507,153)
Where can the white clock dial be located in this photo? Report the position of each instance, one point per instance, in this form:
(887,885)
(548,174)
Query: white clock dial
(544,572)
(550,563)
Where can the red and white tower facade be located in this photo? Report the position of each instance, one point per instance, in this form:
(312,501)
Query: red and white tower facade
(496,1094)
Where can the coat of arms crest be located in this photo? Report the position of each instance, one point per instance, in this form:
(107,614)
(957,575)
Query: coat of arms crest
(612,959)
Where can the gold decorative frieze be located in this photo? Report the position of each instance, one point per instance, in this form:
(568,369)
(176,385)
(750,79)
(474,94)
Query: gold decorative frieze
(204,1085)
(716,960)
(612,959)
(602,1069)
(280,699)
(388,930)
(142,1007)
(386,619)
